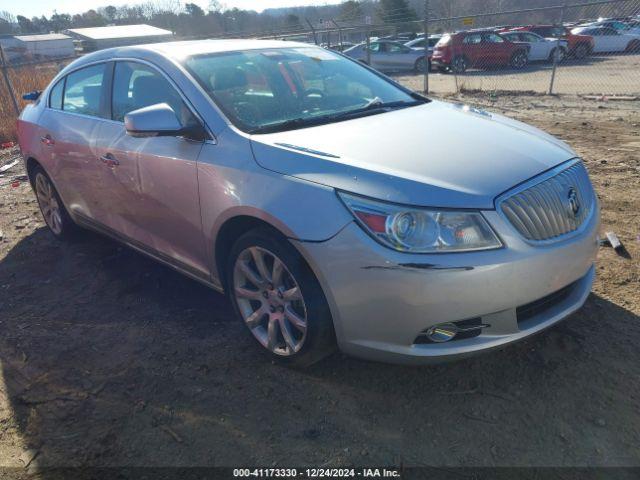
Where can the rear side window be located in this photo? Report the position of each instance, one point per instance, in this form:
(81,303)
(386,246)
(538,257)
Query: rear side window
(55,97)
(83,91)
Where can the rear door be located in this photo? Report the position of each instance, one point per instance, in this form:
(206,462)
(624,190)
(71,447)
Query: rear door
(539,49)
(496,50)
(68,130)
(611,40)
(152,182)
(472,48)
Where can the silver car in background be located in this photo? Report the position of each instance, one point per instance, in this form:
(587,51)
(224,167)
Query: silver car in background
(333,206)
(389,56)
(540,48)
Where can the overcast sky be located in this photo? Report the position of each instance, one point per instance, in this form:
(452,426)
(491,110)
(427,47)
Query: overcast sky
(30,8)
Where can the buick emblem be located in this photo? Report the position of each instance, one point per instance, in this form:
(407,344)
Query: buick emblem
(573,202)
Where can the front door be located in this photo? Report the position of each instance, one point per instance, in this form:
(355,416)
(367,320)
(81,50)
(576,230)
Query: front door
(152,181)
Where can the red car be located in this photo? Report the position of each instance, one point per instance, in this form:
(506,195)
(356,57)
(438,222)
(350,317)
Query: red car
(477,48)
(579,45)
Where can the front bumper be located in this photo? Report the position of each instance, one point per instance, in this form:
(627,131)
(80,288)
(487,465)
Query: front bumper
(381,300)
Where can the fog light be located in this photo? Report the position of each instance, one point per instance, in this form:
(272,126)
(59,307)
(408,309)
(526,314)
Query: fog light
(442,332)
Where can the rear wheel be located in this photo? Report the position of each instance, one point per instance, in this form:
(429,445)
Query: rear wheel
(558,54)
(519,59)
(459,64)
(53,211)
(279,299)
(421,65)
(581,51)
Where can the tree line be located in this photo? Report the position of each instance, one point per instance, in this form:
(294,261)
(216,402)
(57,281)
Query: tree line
(190,20)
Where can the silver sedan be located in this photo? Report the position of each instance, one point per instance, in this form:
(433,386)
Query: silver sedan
(333,206)
(386,55)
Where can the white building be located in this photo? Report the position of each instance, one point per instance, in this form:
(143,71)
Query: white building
(19,48)
(97,38)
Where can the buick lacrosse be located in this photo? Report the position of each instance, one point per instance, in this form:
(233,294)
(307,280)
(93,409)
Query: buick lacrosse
(333,206)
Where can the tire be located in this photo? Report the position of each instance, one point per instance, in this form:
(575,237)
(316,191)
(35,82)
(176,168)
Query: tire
(459,64)
(443,69)
(53,210)
(421,64)
(560,52)
(286,312)
(519,59)
(633,47)
(581,51)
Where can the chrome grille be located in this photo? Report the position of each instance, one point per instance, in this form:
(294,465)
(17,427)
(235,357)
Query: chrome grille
(555,204)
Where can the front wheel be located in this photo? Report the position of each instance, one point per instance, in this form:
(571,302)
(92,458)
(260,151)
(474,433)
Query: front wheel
(519,59)
(279,299)
(581,51)
(633,47)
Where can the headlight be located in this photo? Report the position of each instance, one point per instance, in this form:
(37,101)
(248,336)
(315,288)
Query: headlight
(419,230)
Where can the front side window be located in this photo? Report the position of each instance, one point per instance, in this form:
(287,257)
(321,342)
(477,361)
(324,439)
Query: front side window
(55,97)
(493,38)
(529,37)
(286,88)
(83,91)
(473,39)
(136,85)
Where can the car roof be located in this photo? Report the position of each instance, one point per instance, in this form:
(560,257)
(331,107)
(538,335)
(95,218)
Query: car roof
(182,49)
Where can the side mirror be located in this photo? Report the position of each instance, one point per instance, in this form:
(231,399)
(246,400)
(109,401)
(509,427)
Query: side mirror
(32,96)
(157,120)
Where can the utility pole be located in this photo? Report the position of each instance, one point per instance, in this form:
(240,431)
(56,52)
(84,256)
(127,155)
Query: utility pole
(426,46)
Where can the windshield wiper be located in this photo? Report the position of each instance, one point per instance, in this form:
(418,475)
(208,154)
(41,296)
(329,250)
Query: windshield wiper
(376,105)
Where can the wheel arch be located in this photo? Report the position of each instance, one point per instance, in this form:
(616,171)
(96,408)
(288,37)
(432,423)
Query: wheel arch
(31,163)
(229,231)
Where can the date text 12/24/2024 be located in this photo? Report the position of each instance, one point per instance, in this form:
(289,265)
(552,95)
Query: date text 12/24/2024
(316,473)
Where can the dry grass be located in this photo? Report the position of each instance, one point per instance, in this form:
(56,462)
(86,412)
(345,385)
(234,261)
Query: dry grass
(24,79)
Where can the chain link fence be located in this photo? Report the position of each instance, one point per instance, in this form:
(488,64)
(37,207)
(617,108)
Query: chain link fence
(569,48)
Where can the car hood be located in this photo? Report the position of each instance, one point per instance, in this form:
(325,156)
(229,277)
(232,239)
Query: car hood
(437,154)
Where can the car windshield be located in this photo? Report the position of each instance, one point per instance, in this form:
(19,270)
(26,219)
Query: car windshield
(268,90)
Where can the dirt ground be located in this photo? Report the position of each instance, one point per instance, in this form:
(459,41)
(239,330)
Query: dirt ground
(109,359)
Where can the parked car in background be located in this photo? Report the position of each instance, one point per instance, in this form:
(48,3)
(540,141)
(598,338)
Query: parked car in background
(578,45)
(609,40)
(619,25)
(419,43)
(477,48)
(540,48)
(334,207)
(386,55)
(340,47)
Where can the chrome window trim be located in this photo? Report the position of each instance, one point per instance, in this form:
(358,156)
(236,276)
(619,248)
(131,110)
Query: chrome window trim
(533,182)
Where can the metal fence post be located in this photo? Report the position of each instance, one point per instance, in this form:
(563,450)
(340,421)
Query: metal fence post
(555,54)
(426,47)
(7,81)
(313,30)
(368,46)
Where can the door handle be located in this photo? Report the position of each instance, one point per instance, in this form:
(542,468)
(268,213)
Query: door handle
(47,140)
(109,160)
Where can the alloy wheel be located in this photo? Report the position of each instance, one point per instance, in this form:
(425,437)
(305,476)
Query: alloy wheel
(48,203)
(519,60)
(270,301)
